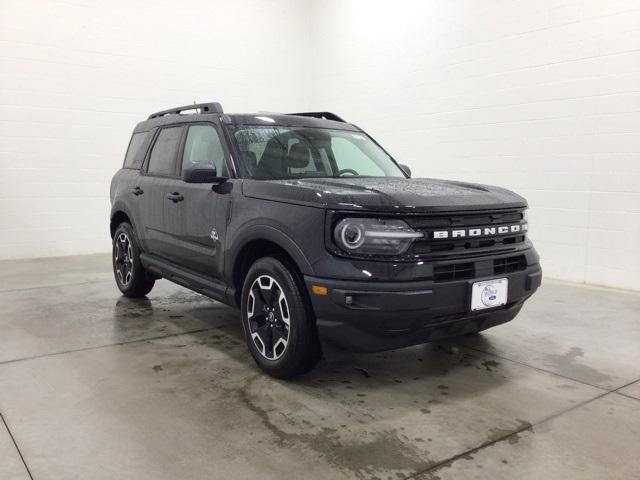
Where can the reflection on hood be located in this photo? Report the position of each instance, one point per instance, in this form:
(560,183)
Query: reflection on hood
(383,193)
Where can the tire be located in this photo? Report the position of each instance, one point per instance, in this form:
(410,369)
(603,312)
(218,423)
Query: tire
(131,277)
(278,320)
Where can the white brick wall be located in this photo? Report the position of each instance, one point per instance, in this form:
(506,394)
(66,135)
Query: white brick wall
(541,97)
(75,78)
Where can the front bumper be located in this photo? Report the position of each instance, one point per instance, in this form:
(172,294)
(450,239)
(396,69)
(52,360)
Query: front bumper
(376,316)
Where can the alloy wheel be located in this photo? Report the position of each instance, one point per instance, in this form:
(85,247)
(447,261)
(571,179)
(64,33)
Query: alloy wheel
(123,256)
(268,317)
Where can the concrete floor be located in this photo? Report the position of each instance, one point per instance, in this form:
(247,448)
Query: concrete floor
(97,386)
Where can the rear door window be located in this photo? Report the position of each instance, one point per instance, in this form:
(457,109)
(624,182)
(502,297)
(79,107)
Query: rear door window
(162,160)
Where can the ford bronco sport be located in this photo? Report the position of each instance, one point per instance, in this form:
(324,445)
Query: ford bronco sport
(315,232)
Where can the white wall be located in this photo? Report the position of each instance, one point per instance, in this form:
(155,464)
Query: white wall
(542,97)
(75,78)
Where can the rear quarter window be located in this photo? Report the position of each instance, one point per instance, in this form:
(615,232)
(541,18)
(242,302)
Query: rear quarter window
(135,155)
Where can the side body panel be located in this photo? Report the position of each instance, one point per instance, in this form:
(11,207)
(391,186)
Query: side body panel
(195,227)
(120,193)
(296,229)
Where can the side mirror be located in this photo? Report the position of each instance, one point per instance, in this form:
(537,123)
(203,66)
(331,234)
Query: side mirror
(406,170)
(202,173)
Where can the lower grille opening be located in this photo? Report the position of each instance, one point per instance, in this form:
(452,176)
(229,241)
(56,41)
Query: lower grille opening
(510,240)
(454,271)
(509,264)
(444,247)
(458,316)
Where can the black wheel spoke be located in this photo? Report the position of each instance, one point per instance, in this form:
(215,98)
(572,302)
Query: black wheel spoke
(257,321)
(274,294)
(261,294)
(258,302)
(279,331)
(265,334)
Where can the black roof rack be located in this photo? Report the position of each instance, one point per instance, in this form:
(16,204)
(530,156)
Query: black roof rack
(214,107)
(325,115)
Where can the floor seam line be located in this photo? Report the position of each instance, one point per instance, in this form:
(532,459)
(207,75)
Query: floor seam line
(471,451)
(15,444)
(519,362)
(626,395)
(515,432)
(75,284)
(98,347)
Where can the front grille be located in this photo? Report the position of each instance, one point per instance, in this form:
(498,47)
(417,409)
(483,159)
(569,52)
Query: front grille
(509,264)
(482,242)
(453,271)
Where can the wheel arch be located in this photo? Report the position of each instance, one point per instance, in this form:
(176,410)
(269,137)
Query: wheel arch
(119,214)
(264,241)
(116,219)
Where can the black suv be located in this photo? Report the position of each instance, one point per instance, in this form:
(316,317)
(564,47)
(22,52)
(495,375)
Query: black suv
(315,232)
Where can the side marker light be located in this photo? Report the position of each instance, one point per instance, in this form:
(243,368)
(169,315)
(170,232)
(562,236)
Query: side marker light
(319,290)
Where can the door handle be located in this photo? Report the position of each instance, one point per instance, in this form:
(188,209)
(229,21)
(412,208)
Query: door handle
(175,197)
(137,191)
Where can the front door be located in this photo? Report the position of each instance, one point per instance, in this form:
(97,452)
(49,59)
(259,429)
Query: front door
(195,213)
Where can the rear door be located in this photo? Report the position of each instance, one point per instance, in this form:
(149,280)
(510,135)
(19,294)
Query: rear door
(196,219)
(132,191)
(159,170)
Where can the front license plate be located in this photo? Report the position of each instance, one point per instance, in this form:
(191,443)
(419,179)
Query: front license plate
(489,294)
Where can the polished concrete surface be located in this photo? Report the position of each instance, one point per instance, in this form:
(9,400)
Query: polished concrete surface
(94,385)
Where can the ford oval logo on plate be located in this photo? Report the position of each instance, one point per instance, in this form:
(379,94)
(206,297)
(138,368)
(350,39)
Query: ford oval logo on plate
(489,294)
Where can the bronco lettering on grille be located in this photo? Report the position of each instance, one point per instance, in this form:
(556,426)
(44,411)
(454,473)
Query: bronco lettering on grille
(480,231)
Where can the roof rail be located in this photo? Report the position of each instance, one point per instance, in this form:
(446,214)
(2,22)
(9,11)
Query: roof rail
(325,115)
(214,107)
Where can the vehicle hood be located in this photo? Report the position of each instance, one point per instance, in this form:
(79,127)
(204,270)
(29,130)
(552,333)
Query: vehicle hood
(384,194)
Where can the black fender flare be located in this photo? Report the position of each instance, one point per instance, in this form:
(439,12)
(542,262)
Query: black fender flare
(120,206)
(271,234)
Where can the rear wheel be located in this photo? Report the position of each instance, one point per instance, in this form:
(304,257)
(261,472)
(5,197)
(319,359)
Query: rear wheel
(278,320)
(131,277)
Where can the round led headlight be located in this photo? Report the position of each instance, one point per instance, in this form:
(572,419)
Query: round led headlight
(351,235)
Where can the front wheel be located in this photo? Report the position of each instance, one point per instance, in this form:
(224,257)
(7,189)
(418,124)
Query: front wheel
(278,320)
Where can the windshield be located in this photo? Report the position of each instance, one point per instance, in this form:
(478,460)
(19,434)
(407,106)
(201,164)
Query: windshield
(295,152)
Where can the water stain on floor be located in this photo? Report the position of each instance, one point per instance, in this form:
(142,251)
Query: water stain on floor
(512,436)
(363,454)
(569,365)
